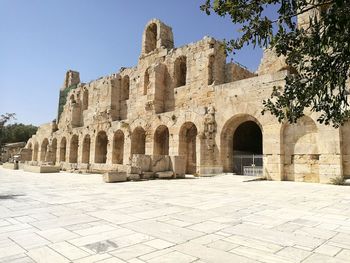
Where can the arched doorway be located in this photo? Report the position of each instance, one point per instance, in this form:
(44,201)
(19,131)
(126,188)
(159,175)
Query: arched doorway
(161,141)
(53,150)
(63,148)
(86,149)
(118,147)
(43,150)
(101,147)
(242,145)
(36,150)
(301,152)
(138,141)
(187,146)
(73,152)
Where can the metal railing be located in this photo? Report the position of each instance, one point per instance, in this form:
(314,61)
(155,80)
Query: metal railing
(248,164)
(253,170)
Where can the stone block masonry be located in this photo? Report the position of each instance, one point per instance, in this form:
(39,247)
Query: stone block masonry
(185,110)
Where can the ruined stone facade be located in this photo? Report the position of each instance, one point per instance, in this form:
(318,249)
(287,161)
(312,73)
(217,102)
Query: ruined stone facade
(186,110)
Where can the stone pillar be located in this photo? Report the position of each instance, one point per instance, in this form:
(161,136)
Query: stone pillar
(198,154)
(148,143)
(273,152)
(127,148)
(80,149)
(330,162)
(109,157)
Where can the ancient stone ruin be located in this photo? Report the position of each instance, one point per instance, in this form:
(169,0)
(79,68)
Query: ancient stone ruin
(186,111)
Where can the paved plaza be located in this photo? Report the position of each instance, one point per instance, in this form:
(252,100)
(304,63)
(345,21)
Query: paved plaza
(78,218)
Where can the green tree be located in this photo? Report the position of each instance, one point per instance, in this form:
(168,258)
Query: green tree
(18,132)
(318,52)
(4,118)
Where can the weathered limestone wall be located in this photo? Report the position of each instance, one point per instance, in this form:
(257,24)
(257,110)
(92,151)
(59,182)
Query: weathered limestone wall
(189,106)
(271,63)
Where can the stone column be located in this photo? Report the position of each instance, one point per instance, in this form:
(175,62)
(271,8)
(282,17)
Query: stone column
(273,152)
(330,162)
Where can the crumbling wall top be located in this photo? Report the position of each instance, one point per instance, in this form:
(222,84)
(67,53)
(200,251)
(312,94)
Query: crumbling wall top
(72,78)
(156,35)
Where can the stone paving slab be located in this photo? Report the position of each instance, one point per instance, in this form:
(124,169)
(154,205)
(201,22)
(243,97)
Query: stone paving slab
(77,218)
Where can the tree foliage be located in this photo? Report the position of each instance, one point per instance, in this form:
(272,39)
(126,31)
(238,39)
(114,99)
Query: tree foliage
(318,52)
(4,118)
(17,132)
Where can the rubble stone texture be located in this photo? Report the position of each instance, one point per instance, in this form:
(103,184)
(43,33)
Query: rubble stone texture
(185,110)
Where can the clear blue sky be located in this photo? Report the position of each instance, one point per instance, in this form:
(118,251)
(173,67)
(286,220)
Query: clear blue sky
(41,39)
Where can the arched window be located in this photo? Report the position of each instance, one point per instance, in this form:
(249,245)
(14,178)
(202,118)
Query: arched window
(151,38)
(125,87)
(180,71)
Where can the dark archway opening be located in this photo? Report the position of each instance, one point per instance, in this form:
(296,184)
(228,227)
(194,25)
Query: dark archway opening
(161,141)
(101,147)
(138,141)
(247,139)
(247,147)
(187,147)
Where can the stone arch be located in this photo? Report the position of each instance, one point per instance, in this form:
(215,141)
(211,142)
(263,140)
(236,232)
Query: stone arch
(118,147)
(188,146)
(43,149)
(85,99)
(86,149)
(241,135)
(125,87)
(101,147)
(180,71)
(138,141)
(54,150)
(301,152)
(164,94)
(161,141)
(63,149)
(29,151)
(146,81)
(151,38)
(36,151)
(211,70)
(73,149)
